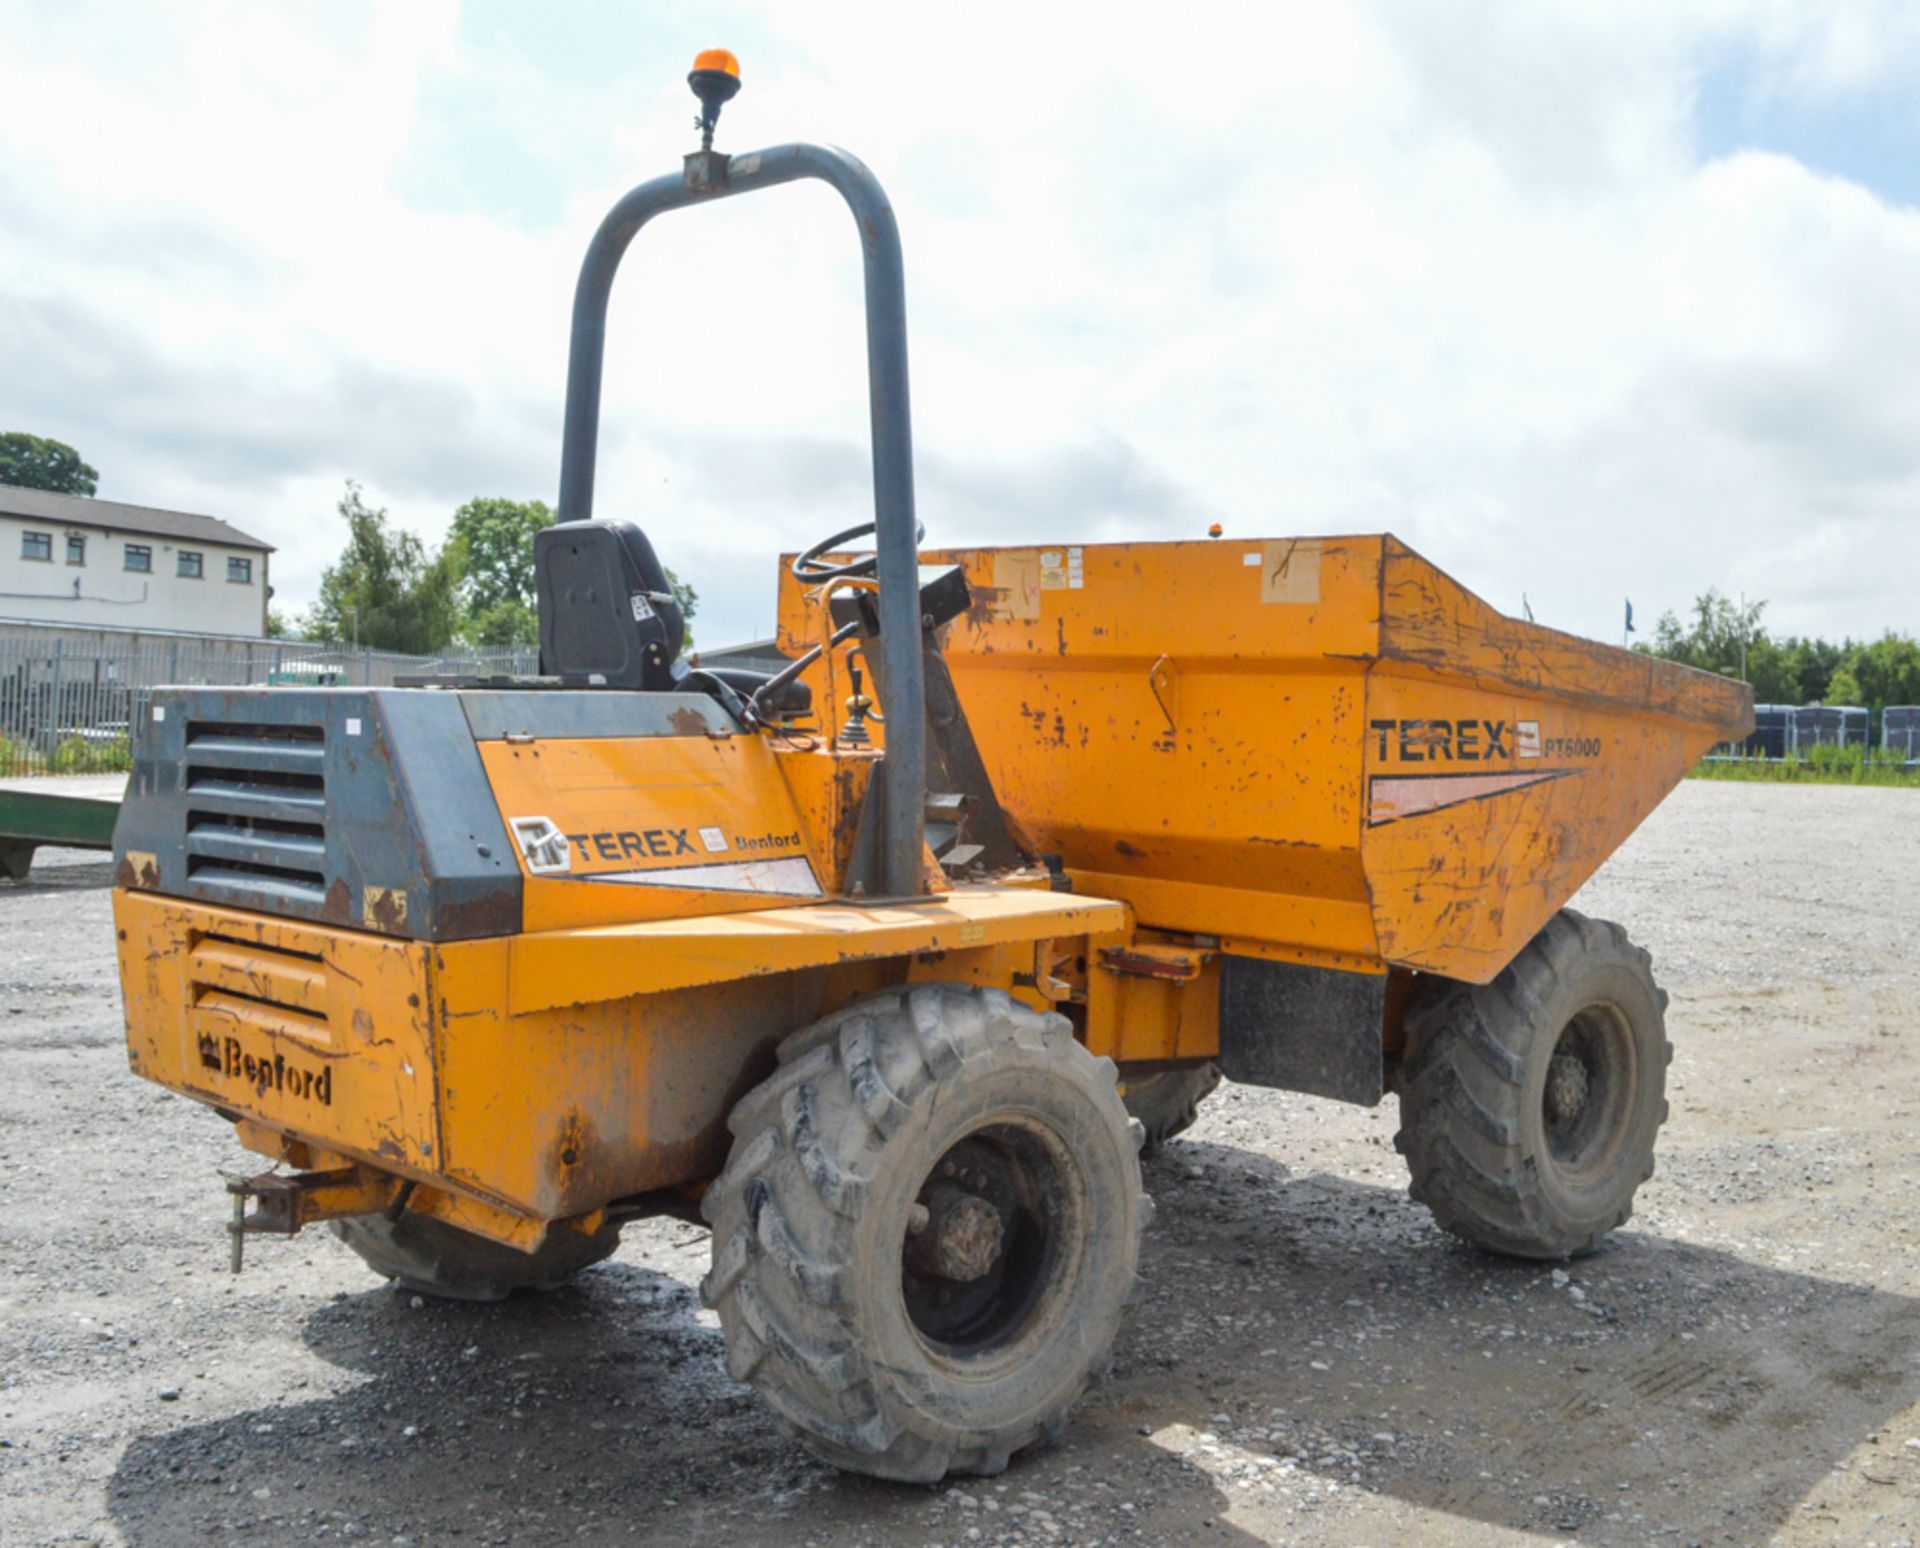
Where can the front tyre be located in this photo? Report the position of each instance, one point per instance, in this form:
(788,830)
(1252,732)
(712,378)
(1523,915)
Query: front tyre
(1529,1106)
(927,1231)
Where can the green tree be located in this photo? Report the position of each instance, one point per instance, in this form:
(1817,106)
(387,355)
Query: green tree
(34,462)
(1718,637)
(1813,663)
(689,600)
(1792,670)
(497,595)
(1843,689)
(1885,672)
(1773,672)
(386,590)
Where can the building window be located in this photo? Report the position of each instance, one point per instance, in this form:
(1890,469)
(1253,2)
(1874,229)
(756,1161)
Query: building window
(192,566)
(76,548)
(36,545)
(240,571)
(139,558)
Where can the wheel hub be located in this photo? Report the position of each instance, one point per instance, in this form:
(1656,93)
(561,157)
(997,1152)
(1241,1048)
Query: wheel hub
(1567,1086)
(982,1239)
(954,1234)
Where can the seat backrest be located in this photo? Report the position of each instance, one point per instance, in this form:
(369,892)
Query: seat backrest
(606,610)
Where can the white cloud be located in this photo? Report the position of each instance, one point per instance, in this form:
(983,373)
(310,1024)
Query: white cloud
(1459,272)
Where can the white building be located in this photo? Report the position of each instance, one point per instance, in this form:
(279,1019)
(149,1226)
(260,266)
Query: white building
(68,560)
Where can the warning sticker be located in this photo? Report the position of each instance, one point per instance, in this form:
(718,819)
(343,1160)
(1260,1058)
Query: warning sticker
(1016,585)
(1061,569)
(782,878)
(1290,571)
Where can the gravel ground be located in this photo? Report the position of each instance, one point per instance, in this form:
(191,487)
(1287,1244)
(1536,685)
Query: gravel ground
(1311,1361)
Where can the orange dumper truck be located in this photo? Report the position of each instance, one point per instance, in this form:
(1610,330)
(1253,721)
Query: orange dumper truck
(890,986)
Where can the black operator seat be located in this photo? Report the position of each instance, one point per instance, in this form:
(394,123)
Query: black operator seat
(608,615)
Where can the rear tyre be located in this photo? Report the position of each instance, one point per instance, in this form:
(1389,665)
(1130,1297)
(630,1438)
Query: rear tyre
(1529,1106)
(433,1258)
(927,1231)
(1167,1101)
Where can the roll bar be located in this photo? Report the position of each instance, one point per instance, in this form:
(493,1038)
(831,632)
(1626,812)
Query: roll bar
(710,175)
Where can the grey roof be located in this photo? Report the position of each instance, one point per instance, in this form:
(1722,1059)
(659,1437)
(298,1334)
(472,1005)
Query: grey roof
(757,655)
(112,516)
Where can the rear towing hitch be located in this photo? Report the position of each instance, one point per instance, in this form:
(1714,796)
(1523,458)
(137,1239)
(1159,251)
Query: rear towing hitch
(287,1201)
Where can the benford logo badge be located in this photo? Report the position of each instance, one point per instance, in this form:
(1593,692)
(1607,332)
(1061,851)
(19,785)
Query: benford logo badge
(226,1057)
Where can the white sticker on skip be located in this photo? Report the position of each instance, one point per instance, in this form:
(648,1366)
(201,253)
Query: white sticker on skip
(353,725)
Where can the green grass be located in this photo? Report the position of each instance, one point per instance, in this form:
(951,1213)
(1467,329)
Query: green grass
(75,755)
(1819,766)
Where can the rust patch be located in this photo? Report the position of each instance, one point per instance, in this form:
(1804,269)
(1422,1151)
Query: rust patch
(385,909)
(989,603)
(570,1149)
(846,815)
(494,913)
(688,721)
(337,905)
(579,1166)
(138,869)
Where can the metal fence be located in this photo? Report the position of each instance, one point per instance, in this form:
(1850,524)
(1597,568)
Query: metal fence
(1831,725)
(1900,730)
(66,705)
(1793,731)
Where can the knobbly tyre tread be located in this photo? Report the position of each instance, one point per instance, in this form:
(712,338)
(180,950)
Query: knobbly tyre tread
(1167,1102)
(433,1258)
(810,1144)
(1474,1067)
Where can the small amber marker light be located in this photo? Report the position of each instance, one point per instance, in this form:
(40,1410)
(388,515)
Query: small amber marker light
(1214,529)
(717,59)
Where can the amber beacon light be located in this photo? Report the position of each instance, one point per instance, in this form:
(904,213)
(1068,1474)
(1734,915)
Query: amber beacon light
(715,79)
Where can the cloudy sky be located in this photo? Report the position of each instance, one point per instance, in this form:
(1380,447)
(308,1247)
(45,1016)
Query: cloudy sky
(1584,301)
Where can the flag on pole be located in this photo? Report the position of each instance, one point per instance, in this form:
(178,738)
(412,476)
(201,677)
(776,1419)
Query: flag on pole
(1630,628)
